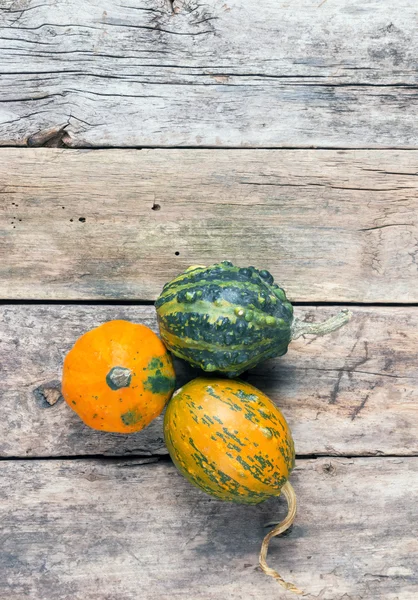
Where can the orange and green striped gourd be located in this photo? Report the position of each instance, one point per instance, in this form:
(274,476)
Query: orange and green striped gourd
(229,439)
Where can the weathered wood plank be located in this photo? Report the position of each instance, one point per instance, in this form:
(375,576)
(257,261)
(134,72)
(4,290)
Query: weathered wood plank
(235,73)
(330,225)
(353,393)
(117,531)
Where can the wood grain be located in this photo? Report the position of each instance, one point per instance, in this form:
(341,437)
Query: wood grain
(117,224)
(352,393)
(123,531)
(221,73)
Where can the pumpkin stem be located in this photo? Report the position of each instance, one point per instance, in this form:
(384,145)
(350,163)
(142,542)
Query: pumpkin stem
(289,493)
(119,377)
(332,324)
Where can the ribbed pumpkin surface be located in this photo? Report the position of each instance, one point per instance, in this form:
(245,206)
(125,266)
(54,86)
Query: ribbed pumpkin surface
(229,439)
(224,318)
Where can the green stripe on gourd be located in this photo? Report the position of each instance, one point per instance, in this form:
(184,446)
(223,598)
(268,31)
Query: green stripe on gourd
(250,290)
(228,319)
(229,334)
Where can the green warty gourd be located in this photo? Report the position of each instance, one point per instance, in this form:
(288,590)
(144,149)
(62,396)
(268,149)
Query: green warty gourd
(228,319)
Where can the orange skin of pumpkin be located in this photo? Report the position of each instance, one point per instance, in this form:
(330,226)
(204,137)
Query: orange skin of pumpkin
(129,347)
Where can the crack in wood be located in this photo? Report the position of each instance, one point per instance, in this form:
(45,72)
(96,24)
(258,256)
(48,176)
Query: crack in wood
(54,137)
(151,10)
(332,187)
(160,29)
(385,172)
(385,226)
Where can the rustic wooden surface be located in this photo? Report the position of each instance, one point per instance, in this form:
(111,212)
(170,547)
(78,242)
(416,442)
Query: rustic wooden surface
(335,224)
(220,73)
(353,393)
(116,531)
(330,225)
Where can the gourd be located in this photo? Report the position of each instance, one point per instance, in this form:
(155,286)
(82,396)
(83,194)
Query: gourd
(228,319)
(118,377)
(229,439)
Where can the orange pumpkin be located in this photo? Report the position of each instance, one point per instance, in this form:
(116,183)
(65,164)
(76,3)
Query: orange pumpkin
(118,377)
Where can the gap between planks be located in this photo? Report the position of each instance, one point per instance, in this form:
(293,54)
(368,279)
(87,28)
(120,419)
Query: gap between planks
(208,147)
(133,302)
(145,459)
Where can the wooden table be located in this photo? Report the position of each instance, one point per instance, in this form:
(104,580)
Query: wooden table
(139,137)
